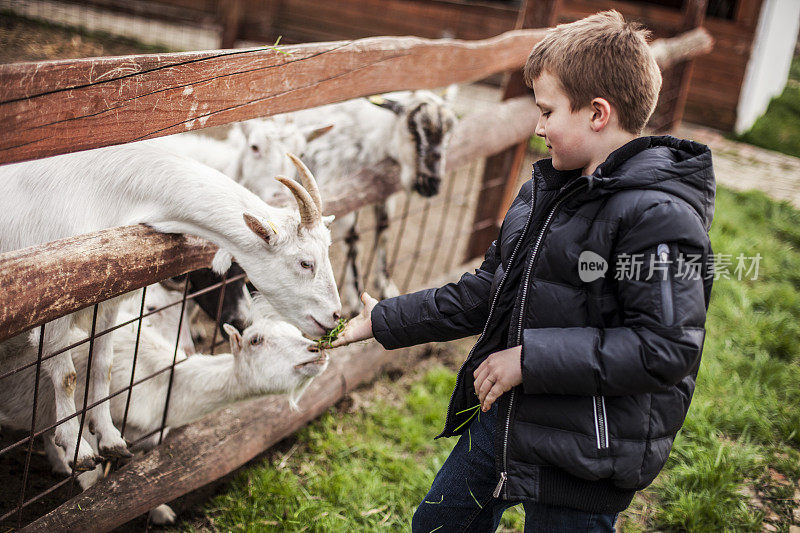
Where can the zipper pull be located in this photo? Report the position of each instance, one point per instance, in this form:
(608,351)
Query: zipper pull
(499,486)
(663,253)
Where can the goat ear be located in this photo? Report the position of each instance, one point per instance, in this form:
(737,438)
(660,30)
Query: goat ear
(328,220)
(221,262)
(392,105)
(267,232)
(234,337)
(315,133)
(175,284)
(450,93)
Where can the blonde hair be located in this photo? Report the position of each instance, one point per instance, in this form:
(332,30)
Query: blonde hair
(601,56)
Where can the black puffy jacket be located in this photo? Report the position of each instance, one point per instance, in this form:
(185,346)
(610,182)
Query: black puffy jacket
(608,365)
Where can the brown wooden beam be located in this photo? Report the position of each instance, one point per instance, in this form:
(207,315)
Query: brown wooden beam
(230,15)
(55,107)
(501,170)
(675,85)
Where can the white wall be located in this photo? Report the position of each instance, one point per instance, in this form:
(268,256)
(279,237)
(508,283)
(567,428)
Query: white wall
(771,57)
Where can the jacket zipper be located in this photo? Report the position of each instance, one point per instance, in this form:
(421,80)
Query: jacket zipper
(666,284)
(600,422)
(491,307)
(525,281)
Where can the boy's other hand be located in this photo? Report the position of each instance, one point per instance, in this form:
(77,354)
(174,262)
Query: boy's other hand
(499,373)
(360,327)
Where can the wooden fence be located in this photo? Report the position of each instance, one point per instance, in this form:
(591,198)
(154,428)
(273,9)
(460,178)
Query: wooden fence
(56,107)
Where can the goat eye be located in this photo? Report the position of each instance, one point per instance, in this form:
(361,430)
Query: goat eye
(254,148)
(307,264)
(256,340)
(151,308)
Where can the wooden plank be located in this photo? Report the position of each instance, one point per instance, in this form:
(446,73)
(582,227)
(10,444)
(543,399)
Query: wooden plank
(199,453)
(675,87)
(393,17)
(44,282)
(56,107)
(748,11)
(704,112)
(230,15)
(258,20)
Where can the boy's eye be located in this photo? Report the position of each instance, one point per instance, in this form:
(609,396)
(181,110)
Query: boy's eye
(546,114)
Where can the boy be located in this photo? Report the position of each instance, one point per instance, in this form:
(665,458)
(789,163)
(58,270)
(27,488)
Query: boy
(583,375)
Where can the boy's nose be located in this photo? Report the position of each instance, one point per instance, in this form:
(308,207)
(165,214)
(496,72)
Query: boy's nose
(539,128)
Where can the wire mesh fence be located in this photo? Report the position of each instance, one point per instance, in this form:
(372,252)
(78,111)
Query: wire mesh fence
(426,238)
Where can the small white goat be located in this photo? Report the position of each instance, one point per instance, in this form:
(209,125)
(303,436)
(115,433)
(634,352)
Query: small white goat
(411,128)
(167,320)
(269,357)
(284,254)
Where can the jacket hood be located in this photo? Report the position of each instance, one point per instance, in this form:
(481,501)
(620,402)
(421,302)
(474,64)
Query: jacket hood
(677,166)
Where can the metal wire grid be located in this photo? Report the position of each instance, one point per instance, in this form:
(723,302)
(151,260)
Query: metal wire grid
(427,238)
(15,515)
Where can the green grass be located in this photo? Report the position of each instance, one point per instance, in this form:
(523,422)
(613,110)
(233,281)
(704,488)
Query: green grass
(350,472)
(779,128)
(745,415)
(735,461)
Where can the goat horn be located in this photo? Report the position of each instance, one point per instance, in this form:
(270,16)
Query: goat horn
(309,214)
(307,179)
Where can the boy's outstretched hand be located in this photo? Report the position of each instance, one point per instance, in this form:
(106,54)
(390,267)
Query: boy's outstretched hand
(499,373)
(360,327)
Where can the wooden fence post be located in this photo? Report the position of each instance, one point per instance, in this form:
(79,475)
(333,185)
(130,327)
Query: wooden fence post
(230,13)
(501,170)
(675,87)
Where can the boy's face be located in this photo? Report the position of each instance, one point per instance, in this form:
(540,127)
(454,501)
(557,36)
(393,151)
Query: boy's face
(566,133)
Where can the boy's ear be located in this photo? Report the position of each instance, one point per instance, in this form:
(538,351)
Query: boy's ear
(601,114)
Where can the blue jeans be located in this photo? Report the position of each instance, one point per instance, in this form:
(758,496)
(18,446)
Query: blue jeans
(460,498)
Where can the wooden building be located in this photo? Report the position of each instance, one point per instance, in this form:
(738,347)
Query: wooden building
(718,82)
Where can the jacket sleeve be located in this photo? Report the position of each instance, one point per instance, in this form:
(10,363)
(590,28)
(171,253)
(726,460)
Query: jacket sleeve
(662,331)
(450,312)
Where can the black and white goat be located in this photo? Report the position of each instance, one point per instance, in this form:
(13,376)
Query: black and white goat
(411,129)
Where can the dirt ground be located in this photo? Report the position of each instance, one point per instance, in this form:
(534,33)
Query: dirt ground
(24,40)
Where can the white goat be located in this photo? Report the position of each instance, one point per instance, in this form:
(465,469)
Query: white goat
(167,320)
(410,128)
(253,153)
(284,255)
(269,357)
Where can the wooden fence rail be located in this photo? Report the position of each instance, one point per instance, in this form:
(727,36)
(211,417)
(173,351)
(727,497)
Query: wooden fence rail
(56,107)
